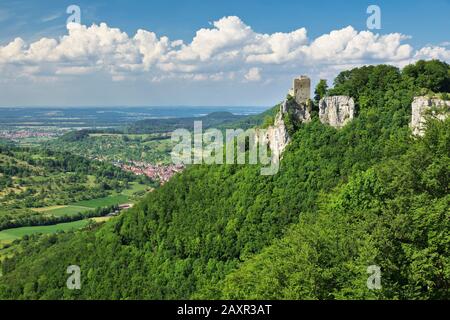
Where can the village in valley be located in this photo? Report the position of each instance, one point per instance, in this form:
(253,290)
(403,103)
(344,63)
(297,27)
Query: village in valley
(24,134)
(156,172)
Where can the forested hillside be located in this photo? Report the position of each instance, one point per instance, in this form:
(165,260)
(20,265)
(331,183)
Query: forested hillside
(367,194)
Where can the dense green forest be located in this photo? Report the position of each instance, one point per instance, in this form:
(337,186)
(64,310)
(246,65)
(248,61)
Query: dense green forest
(110,147)
(367,194)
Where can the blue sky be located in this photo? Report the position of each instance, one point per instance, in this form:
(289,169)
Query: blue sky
(426,21)
(168,79)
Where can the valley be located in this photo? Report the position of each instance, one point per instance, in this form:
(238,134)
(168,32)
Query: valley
(57,177)
(43,191)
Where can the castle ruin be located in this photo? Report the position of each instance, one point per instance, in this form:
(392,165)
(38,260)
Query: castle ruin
(301,89)
(336,111)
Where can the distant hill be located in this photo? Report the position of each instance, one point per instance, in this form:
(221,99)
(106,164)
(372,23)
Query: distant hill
(220,120)
(5,142)
(74,136)
(214,119)
(252,121)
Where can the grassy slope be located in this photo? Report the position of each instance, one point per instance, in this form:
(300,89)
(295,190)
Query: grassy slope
(103,202)
(17,233)
(66,211)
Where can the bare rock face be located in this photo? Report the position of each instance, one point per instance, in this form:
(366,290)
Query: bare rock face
(300,112)
(277,136)
(336,111)
(426,106)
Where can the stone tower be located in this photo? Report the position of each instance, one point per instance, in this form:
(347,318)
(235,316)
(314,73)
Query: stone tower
(301,89)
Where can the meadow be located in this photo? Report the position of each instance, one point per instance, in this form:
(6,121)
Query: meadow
(130,195)
(64,210)
(101,202)
(10,235)
(41,187)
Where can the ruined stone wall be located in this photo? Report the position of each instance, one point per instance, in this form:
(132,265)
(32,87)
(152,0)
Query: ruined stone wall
(336,111)
(301,89)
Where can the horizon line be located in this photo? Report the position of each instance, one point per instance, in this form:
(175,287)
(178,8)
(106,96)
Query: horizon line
(142,106)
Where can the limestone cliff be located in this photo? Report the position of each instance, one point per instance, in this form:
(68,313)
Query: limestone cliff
(277,136)
(298,112)
(336,111)
(427,106)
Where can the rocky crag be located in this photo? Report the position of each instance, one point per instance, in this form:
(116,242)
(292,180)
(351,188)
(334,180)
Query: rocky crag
(423,107)
(277,136)
(336,111)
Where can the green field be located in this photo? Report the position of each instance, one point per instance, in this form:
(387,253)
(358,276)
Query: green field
(50,183)
(67,211)
(10,235)
(83,206)
(135,187)
(13,234)
(103,202)
(38,185)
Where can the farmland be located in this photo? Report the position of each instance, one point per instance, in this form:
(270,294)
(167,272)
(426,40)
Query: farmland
(17,233)
(42,187)
(63,210)
(102,202)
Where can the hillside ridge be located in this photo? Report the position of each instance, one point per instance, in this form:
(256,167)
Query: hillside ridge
(364,194)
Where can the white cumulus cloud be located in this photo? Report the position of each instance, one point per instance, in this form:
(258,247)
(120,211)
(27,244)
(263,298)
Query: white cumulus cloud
(227,50)
(254,74)
(434,52)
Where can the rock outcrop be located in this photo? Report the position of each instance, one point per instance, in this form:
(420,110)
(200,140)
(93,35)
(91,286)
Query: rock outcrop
(427,106)
(298,112)
(336,111)
(277,136)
